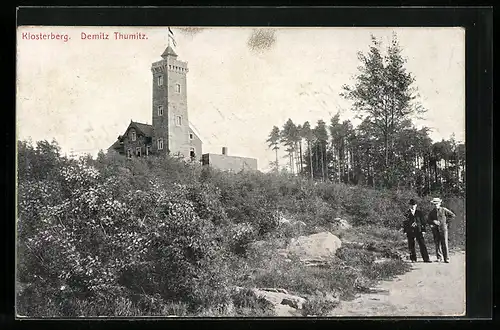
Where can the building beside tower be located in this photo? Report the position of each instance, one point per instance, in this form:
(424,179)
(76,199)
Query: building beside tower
(171,132)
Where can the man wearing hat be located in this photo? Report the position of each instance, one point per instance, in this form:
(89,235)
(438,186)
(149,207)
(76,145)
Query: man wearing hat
(438,220)
(414,228)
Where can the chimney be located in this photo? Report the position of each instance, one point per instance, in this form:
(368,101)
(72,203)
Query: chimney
(224,151)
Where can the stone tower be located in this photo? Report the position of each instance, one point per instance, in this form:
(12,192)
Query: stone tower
(170,112)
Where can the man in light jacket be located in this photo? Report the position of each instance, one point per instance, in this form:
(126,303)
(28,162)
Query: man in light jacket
(438,219)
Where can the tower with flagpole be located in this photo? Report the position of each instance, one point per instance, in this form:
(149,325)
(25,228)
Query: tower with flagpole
(171,132)
(170,111)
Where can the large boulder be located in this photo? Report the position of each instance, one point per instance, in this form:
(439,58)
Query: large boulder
(320,246)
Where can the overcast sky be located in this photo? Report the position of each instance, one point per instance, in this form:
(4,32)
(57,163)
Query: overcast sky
(84,93)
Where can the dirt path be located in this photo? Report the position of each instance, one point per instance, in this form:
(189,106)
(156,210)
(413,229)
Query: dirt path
(430,289)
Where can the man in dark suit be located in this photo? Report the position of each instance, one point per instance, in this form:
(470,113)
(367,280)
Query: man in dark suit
(414,228)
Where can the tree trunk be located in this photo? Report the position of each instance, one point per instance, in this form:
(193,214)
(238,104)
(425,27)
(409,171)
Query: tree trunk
(428,175)
(386,150)
(277,163)
(316,158)
(339,170)
(310,159)
(301,160)
(436,178)
(296,163)
(322,163)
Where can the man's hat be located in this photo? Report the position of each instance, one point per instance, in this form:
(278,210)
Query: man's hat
(412,202)
(436,200)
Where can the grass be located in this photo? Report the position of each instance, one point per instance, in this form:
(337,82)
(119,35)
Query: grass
(352,271)
(246,201)
(318,307)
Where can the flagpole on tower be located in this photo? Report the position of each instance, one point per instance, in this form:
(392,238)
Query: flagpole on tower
(171,36)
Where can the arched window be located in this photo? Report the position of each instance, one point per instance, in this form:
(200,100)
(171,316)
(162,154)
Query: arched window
(133,135)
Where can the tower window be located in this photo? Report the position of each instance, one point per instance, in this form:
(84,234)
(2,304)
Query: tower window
(177,88)
(160,81)
(160,144)
(178,120)
(190,136)
(160,110)
(133,136)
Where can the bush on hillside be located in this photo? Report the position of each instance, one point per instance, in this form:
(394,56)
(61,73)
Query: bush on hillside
(113,236)
(318,307)
(88,239)
(247,303)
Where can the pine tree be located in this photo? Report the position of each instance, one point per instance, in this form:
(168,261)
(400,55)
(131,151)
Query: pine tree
(384,95)
(274,141)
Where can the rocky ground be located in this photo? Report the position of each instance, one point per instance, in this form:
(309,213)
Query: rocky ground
(430,289)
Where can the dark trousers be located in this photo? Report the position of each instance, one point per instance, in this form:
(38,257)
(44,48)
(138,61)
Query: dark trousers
(421,243)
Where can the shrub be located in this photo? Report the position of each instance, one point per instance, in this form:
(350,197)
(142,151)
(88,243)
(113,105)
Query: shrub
(247,303)
(207,203)
(318,307)
(157,235)
(386,270)
(355,257)
(92,238)
(242,234)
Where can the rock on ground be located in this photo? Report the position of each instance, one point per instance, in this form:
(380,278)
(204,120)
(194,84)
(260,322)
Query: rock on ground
(284,303)
(314,247)
(341,223)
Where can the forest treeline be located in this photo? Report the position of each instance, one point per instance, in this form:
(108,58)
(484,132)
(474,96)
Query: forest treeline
(386,150)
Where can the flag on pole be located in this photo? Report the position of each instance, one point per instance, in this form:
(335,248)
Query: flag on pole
(171,36)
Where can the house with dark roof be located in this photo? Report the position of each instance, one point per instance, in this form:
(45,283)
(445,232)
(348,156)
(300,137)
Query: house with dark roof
(138,139)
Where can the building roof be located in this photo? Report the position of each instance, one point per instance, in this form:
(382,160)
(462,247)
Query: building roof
(146,129)
(117,145)
(168,52)
(195,131)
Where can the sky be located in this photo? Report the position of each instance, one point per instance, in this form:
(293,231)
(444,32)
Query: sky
(84,92)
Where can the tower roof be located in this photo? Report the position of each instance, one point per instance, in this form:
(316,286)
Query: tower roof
(168,52)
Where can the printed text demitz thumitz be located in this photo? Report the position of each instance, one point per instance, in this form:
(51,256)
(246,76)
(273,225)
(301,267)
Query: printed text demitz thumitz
(84,36)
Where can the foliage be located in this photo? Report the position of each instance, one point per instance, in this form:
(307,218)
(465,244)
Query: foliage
(318,307)
(91,237)
(110,236)
(247,303)
(385,150)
